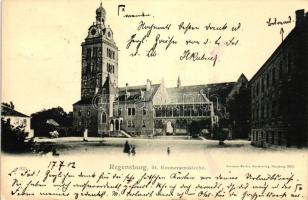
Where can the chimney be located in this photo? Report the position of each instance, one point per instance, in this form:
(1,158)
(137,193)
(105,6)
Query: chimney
(126,86)
(300,17)
(148,87)
(179,82)
(141,94)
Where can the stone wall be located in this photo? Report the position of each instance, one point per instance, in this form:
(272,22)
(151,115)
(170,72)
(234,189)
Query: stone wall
(85,117)
(141,123)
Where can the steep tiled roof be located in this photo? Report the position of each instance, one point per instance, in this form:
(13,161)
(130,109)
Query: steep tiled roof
(220,89)
(175,94)
(7,111)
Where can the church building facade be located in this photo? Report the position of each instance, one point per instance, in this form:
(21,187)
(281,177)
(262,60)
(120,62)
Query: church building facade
(148,110)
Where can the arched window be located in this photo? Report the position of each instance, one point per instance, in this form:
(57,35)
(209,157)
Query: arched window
(104,118)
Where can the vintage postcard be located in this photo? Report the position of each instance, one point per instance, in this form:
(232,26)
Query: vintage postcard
(192,100)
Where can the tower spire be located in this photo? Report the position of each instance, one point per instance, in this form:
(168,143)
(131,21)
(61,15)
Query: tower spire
(100,14)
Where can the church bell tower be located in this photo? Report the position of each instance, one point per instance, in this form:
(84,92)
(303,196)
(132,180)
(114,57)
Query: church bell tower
(99,57)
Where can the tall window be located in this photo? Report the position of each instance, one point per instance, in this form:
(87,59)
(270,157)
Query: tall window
(94,52)
(273,108)
(144,111)
(88,59)
(110,53)
(265,111)
(110,68)
(267,80)
(280,70)
(289,62)
(131,111)
(269,110)
(273,75)
(104,118)
(88,53)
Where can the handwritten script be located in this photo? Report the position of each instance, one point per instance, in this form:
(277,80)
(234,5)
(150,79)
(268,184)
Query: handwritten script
(152,39)
(62,179)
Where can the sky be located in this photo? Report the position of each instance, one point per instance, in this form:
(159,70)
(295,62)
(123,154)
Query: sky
(41,52)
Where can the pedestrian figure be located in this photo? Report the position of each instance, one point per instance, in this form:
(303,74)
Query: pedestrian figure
(85,135)
(133,151)
(55,153)
(126,147)
(168,150)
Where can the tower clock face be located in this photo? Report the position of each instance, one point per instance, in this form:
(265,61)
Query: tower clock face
(93,31)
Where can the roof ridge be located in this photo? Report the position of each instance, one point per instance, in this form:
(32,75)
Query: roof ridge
(13,110)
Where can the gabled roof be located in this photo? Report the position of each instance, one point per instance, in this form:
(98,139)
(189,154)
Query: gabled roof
(220,89)
(242,78)
(7,111)
(108,86)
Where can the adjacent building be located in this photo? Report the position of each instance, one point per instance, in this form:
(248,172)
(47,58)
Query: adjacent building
(16,119)
(279,104)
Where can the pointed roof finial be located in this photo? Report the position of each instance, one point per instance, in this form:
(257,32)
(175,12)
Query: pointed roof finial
(100,9)
(179,82)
